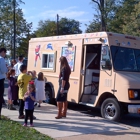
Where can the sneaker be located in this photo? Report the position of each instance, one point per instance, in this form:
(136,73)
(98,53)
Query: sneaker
(31,125)
(21,117)
(25,124)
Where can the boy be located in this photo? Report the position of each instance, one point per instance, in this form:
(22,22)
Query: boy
(23,80)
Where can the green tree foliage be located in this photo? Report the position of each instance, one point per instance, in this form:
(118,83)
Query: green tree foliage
(7,26)
(122,17)
(93,26)
(127,18)
(49,28)
(69,26)
(105,11)
(46,28)
(24,43)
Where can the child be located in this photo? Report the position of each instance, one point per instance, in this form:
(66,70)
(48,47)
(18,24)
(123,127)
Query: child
(34,77)
(12,89)
(23,80)
(40,88)
(29,99)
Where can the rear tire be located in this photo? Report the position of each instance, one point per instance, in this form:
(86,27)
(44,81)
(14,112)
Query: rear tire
(49,96)
(110,109)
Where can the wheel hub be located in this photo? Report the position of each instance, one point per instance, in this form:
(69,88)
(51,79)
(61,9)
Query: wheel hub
(110,110)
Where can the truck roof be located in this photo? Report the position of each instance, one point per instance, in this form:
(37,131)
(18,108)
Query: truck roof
(84,35)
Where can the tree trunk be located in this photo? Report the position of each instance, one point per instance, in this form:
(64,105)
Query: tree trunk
(103,21)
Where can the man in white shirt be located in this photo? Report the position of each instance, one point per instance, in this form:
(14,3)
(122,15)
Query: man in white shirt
(17,72)
(3,71)
(17,66)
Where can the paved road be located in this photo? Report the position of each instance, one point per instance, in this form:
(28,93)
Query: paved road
(82,123)
(131,120)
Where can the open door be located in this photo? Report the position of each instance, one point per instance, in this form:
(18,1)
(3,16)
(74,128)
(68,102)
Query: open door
(90,73)
(83,72)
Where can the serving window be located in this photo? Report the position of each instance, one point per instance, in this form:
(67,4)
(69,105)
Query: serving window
(48,61)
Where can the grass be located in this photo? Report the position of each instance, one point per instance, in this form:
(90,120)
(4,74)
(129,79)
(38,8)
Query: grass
(11,130)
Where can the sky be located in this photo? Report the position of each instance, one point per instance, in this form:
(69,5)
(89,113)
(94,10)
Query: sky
(36,10)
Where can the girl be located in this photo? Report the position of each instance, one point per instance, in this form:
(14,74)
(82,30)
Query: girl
(33,78)
(40,88)
(13,62)
(34,75)
(29,99)
(64,85)
(12,89)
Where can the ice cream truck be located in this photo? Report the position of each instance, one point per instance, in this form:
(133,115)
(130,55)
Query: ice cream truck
(105,69)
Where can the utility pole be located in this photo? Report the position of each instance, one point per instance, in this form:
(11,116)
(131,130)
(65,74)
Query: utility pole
(57,24)
(14,22)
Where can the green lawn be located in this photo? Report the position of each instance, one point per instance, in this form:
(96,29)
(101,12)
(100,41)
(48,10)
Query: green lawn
(11,130)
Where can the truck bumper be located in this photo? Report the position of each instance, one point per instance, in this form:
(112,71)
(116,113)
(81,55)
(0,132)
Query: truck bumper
(134,109)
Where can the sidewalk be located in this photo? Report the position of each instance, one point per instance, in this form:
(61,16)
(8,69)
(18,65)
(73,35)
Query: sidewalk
(77,126)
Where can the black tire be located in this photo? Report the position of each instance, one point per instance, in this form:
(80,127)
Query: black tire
(110,109)
(49,96)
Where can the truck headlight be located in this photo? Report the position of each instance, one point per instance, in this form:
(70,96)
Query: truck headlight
(133,94)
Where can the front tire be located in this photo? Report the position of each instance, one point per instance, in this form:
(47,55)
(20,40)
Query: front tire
(49,96)
(110,109)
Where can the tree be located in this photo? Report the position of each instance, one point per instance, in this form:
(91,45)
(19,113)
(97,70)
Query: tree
(46,28)
(7,26)
(106,10)
(69,26)
(133,27)
(122,17)
(93,26)
(24,43)
(127,19)
(49,28)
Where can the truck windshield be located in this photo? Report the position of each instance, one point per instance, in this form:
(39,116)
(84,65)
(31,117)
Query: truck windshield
(125,59)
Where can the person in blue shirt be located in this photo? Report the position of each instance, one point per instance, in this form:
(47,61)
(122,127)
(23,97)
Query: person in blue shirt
(29,99)
(3,71)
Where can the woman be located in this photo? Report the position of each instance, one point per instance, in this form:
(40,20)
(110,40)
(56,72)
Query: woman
(64,85)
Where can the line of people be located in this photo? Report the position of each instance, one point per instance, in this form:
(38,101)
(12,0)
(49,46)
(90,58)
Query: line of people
(35,88)
(28,89)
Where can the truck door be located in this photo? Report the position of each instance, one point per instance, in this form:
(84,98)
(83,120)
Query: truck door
(83,72)
(89,88)
(107,81)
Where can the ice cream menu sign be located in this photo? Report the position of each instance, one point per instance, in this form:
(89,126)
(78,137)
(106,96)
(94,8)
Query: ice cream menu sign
(69,53)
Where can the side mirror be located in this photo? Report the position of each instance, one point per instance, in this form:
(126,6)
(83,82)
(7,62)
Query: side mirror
(106,64)
(105,58)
